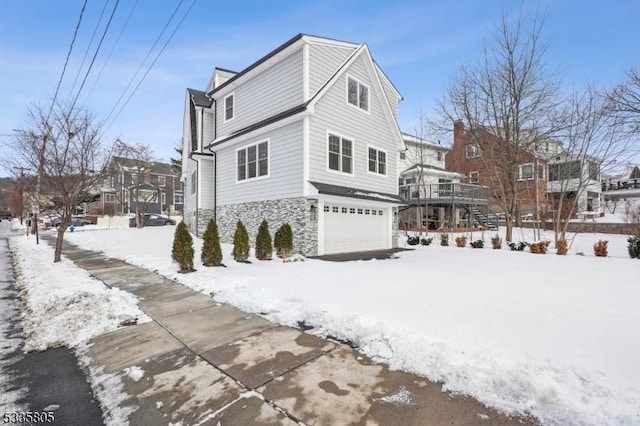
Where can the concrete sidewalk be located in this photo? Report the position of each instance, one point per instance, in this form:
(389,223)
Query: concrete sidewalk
(206,363)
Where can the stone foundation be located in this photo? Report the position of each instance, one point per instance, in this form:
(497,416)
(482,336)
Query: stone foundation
(296,212)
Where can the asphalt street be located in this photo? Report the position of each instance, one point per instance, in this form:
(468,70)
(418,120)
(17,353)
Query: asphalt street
(48,384)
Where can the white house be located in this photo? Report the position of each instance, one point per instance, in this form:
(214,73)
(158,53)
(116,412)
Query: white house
(306,135)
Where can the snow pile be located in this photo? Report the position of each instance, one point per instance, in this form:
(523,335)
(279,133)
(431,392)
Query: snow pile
(64,305)
(553,336)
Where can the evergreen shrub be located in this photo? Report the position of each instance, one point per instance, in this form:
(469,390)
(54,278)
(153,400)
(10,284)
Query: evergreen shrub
(182,251)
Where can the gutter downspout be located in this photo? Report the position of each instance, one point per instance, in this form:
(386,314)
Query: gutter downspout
(197,197)
(215,160)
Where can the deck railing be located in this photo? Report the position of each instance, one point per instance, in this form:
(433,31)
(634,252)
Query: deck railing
(444,191)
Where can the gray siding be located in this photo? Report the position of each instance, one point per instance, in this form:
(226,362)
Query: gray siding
(285,179)
(390,92)
(207,127)
(206,186)
(274,90)
(334,114)
(324,60)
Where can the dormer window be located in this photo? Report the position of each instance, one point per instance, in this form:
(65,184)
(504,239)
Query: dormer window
(357,94)
(229,104)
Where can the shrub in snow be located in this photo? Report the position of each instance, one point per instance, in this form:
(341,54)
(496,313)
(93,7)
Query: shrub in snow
(634,247)
(477,244)
(413,240)
(600,248)
(496,242)
(263,242)
(444,239)
(182,251)
(211,250)
(517,246)
(538,247)
(283,241)
(562,246)
(240,251)
(461,241)
(426,241)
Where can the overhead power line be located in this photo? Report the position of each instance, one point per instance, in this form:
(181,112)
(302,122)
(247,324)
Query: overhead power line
(113,12)
(153,63)
(135,75)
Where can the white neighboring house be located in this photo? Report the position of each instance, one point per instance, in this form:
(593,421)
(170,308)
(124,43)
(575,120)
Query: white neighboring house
(437,197)
(307,135)
(622,191)
(575,175)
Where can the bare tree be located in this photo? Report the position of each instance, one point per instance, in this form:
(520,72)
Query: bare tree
(510,95)
(137,159)
(625,99)
(64,148)
(594,140)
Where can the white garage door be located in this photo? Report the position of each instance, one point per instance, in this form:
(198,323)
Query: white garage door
(352,228)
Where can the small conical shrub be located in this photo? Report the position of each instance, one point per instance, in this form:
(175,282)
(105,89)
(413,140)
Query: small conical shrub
(240,251)
(182,252)
(283,241)
(264,250)
(634,247)
(211,250)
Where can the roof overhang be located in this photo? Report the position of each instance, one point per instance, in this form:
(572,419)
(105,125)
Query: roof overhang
(361,194)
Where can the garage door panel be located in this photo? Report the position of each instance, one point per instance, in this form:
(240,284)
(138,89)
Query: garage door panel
(355,230)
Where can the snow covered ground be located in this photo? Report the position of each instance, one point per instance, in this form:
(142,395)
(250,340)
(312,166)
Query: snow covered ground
(554,336)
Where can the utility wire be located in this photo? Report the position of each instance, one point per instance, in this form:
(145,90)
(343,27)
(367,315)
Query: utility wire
(86,53)
(153,63)
(66,62)
(135,75)
(113,48)
(113,12)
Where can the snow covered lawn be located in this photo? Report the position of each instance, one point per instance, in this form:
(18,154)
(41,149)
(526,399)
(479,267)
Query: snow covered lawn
(554,336)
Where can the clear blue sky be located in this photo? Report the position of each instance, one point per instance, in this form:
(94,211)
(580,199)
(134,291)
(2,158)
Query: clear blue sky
(419,45)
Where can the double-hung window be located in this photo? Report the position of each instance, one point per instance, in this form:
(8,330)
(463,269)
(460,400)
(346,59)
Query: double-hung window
(229,104)
(340,154)
(161,181)
(473,151)
(474,177)
(357,94)
(526,171)
(377,161)
(253,161)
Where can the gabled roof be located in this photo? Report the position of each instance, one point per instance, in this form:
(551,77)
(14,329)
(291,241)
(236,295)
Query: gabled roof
(156,166)
(199,98)
(362,50)
(419,141)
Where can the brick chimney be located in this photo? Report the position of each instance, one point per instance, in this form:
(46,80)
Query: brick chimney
(458,130)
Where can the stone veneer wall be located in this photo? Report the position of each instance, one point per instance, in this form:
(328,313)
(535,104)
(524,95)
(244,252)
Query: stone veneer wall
(295,211)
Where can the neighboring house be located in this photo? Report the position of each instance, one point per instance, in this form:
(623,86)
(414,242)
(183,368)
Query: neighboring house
(306,135)
(576,176)
(153,185)
(436,197)
(621,190)
(469,157)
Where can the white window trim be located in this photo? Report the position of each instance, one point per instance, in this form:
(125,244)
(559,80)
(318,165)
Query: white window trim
(544,172)
(244,147)
(111,196)
(477,174)
(175,200)
(224,108)
(478,152)
(353,154)
(533,174)
(162,181)
(386,164)
(360,83)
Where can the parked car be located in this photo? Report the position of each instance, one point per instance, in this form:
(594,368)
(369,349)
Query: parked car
(151,219)
(75,222)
